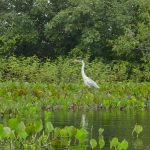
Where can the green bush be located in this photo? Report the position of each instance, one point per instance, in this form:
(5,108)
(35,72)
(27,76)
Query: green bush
(66,70)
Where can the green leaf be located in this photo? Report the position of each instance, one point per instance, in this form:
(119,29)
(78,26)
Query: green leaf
(49,127)
(23,134)
(20,129)
(114,142)
(101,143)
(13,123)
(137,129)
(47,115)
(56,132)
(55,143)
(30,129)
(2,135)
(100,131)
(63,132)
(64,143)
(81,134)
(124,144)
(93,143)
(7,131)
(38,126)
(72,131)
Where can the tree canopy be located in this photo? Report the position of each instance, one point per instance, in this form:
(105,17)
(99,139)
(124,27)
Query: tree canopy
(111,30)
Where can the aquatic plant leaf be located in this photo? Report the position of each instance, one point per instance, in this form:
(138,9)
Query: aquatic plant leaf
(7,131)
(64,143)
(49,127)
(21,126)
(81,134)
(38,126)
(101,143)
(100,131)
(2,134)
(93,143)
(22,134)
(30,129)
(137,129)
(55,143)
(32,147)
(47,115)
(72,131)
(63,132)
(25,146)
(20,129)
(124,144)
(114,142)
(56,132)
(13,123)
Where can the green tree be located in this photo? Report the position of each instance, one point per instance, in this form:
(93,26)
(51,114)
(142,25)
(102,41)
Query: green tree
(107,29)
(134,43)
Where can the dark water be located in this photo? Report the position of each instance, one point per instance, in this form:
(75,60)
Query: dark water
(115,124)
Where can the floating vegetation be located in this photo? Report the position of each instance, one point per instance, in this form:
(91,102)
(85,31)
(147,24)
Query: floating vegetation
(34,135)
(18,96)
(114,143)
(137,129)
(26,110)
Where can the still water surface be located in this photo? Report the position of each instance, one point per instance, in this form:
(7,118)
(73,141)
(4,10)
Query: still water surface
(115,124)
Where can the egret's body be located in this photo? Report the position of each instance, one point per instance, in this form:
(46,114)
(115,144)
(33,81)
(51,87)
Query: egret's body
(87,81)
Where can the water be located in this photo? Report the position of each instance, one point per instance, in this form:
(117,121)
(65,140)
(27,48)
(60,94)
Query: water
(115,124)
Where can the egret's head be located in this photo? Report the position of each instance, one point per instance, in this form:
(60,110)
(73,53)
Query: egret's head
(79,60)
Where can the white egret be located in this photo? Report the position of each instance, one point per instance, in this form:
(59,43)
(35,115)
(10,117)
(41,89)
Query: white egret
(87,81)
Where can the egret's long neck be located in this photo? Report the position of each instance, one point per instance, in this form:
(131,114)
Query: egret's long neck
(82,69)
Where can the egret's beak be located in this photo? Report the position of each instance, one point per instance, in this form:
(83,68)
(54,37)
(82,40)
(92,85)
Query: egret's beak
(76,60)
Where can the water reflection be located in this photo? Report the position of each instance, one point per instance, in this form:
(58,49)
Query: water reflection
(116,124)
(84,121)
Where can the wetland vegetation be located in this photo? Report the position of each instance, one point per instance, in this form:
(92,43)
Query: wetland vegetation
(43,101)
(27,109)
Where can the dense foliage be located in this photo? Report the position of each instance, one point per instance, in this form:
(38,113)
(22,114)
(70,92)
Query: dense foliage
(66,70)
(21,96)
(107,29)
(110,31)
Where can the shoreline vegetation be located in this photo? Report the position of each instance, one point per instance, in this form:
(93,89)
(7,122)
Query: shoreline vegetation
(18,96)
(58,84)
(65,70)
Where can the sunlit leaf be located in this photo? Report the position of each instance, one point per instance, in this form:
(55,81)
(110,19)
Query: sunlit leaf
(114,142)
(38,126)
(124,144)
(49,127)
(81,134)
(101,143)
(13,123)
(100,130)
(137,129)
(93,143)
(71,131)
